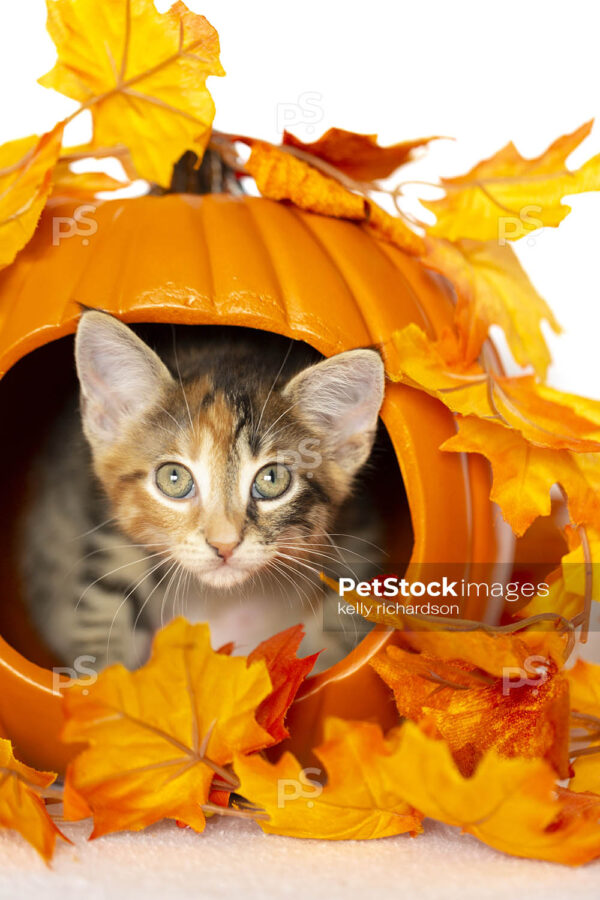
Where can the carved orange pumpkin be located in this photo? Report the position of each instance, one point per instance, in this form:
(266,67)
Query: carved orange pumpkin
(247,262)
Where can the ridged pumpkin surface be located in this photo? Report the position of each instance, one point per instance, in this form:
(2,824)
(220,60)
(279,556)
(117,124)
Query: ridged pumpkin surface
(256,263)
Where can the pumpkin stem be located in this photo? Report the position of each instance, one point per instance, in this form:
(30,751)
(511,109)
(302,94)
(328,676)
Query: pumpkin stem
(212,176)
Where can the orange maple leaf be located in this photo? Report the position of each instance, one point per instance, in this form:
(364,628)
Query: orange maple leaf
(493,289)
(584,685)
(81,185)
(287,673)
(358,155)
(523,474)
(513,805)
(527,717)
(508,196)
(21,805)
(281,176)
(158,736)
(546,417)
(25,183)
(359,801)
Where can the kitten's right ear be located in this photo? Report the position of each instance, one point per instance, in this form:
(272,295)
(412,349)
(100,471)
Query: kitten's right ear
(120,376)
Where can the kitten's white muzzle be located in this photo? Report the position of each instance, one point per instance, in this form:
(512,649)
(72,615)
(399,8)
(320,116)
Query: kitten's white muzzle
(225,574)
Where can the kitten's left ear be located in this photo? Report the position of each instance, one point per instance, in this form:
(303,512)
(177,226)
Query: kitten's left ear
(340,399)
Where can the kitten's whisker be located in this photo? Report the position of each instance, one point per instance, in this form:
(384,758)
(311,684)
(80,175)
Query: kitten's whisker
(129,593)
(356,538)
(113,571)
(273,424)
(314,584)
(175,570)
(173,419)
(187,406)
(293,571)
(108,550)
(154,589)
(299,562)
(92,530)
(309,547)
(280,567)
(277,569)
(271,389)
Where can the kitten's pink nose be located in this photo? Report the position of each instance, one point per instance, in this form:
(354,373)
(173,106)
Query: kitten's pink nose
(224,549)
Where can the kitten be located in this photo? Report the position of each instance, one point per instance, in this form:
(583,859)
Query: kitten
(202,481)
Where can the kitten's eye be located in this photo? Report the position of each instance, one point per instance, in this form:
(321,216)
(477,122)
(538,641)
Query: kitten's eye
(271,481)
(174,480)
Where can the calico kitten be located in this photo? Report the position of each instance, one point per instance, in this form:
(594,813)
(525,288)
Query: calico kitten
(203,480)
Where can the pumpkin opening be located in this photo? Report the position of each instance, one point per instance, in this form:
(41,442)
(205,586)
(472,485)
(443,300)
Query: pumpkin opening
(33,392)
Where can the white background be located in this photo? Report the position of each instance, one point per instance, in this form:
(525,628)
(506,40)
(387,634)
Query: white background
(481,72)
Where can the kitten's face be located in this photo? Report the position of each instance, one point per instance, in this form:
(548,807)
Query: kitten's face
(226,480)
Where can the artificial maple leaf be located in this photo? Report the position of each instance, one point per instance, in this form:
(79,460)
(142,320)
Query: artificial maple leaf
(513,805)
(21,806)
(157,736)
(82,185)
(586,773)
(558,600)
(359,801)
(526,715)
(569,584)
(524,474)
(141,73)
(493,289)
(286,672)
(507,196)
(281,176)
(25,183)
(584,684)
(546,417)
(358,155)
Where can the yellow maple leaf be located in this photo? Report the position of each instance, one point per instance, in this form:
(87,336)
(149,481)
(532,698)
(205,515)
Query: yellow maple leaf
(493,289)
(25,182)
(584,685)
(586,775)
(511,804)
(158,735)
(523,474)
(82,185)
(507,196)
(281,176)
(570,582)
(546,417)
(359,801)
(21,806)
(141,73)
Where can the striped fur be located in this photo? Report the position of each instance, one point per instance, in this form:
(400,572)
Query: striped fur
(107,557)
